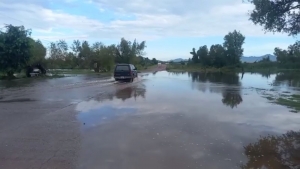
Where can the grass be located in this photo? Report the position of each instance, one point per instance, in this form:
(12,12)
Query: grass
(270,98)
(290,103)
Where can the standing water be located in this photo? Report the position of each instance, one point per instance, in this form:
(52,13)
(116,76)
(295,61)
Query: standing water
(193,120)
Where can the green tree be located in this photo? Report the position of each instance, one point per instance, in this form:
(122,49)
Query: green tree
(233,45)
(195,57)
(38,52)
(217,54)
(203,56)
(154,61)
(58,50)
(103,56)
(15,49)
(127,52)
(277,15)
(76,47)
(289,58)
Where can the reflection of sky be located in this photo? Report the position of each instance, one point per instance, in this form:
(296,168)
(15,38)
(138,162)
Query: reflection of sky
(93,117)
(257,81)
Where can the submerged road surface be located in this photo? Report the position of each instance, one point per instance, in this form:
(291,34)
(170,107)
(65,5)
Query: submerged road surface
(162,120)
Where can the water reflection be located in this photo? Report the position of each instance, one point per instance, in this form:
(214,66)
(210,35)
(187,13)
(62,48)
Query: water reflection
(231,98)
(224,78)
(291,79)
(230,89)
(274,152)
(131,91)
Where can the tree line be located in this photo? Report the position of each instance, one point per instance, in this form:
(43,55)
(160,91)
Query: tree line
(19,51)
(274,16)
(218,55)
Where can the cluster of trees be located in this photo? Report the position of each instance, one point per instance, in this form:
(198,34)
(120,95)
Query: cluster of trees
(274,16)
(280,16)
(18,51)
(289,58)
(219,55)
(97,56)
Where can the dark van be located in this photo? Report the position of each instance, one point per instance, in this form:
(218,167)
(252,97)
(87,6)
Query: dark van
(125,72)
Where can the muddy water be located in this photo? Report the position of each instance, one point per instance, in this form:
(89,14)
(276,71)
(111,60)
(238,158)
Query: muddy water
(191,120)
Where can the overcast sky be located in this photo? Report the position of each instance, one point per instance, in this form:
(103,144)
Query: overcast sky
(170,27)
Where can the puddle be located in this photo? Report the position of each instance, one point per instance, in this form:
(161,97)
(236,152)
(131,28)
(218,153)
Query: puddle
(93,117)
(191,120)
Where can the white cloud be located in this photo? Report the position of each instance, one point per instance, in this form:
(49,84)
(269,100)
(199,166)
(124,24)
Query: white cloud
(153,19)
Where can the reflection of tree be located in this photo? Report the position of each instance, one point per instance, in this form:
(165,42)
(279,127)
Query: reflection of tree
(232,98)
(104,97)
(225,78)
(274,152)
(230,91)
(129,92)
(266,74)
(292,79)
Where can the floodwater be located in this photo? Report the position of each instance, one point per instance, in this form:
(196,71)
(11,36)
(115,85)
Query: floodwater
(191,120)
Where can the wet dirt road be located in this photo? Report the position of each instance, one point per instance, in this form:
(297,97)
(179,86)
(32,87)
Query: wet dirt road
(162,120)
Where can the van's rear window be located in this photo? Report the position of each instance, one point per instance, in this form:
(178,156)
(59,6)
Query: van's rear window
(122,68)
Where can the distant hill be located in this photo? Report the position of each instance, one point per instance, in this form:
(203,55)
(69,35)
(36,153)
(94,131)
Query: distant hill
(251,59)
(178,60)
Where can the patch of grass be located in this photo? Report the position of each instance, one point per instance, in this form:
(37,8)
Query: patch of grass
(295,96)
(270,98)
(284,95)
(289,102)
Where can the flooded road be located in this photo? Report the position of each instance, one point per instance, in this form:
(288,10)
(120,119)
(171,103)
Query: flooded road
(162,120)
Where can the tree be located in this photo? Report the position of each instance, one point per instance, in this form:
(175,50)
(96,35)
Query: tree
(103,56)
(195,57)
(289,58)
(217,54)
(127,52)
(15,49)
(76,47)
(203,56)
(58,50)
(233,46)
(154,61)
(38,52)
(277,15)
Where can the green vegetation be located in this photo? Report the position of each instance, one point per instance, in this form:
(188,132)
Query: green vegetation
(219,56)
(19,52)
(274,16)
(290,101)
(15,49)
(277,15)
